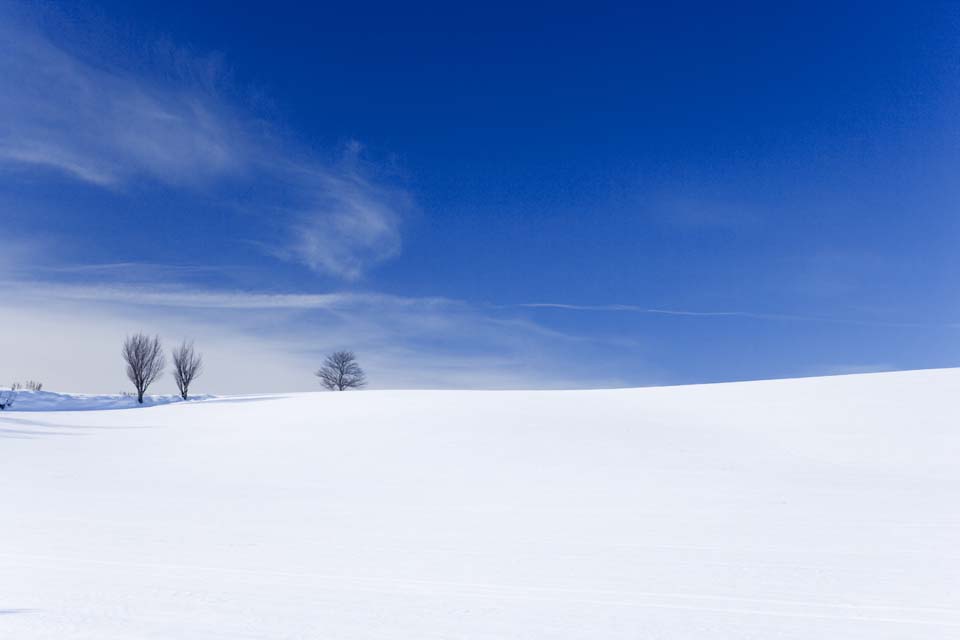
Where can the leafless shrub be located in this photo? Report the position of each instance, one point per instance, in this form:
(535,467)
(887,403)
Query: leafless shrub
(145,361)
(29,385)
(187,365)
(340,372)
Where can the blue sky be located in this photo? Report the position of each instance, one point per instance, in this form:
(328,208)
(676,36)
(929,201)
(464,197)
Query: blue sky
(495,196)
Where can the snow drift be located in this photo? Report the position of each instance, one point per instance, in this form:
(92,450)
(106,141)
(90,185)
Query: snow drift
(793,509)
(26,400)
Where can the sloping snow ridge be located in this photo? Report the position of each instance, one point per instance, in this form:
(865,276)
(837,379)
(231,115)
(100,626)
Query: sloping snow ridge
(26,400)
(790,509)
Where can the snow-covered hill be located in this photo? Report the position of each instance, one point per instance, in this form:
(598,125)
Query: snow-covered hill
(795,509)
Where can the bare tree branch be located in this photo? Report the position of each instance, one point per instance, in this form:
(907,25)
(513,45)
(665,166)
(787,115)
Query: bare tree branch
(340,372)
(187,366)
(145,361)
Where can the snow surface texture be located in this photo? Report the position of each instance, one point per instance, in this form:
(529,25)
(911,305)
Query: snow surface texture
(795,509)
(25,400)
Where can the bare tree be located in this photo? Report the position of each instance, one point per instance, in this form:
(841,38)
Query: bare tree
(145,361)
(187,365)
(340,372)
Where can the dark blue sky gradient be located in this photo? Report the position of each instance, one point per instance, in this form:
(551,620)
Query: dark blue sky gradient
(796,164)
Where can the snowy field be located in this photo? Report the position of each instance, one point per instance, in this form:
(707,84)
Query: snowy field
(800,509)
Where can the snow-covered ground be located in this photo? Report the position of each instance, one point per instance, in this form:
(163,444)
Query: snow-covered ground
(26,400)
(798,509)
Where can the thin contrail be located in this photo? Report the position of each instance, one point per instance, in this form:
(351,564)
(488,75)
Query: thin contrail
(732,314)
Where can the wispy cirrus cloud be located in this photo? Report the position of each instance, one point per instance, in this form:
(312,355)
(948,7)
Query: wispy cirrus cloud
(88,120)
(67,334)
(190,298)
(106,127)
(404,341)
(344,221)
(632,308)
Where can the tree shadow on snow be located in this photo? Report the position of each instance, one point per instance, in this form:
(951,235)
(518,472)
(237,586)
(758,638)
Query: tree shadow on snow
(42,428)
(39,423)
(242,400)
(23,434)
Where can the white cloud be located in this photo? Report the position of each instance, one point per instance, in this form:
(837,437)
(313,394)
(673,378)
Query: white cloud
(109,127)
(634,309)
(181,297)
(347,224)
(68,337)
